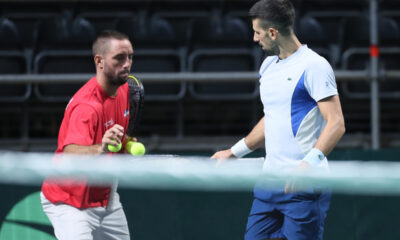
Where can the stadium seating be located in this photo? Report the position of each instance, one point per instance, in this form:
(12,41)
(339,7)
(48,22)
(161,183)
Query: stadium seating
(356,41)
(155,50)
(356,54)
(310,32)
(63,45)
(13,60)
(194,37)
(222,44)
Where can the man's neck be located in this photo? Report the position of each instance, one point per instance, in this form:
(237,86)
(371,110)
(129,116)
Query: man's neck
(109,89)
(288,46)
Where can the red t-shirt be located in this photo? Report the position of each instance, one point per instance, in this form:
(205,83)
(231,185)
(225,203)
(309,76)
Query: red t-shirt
(88,115)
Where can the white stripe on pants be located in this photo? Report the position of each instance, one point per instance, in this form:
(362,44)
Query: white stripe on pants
(98,223)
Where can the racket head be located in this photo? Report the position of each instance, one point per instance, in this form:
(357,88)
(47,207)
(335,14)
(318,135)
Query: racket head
(136,103)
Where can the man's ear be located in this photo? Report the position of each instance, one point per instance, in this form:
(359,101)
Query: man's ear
(273,33)
(99,61)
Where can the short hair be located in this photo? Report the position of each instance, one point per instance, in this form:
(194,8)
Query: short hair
(279,14)
(100,45)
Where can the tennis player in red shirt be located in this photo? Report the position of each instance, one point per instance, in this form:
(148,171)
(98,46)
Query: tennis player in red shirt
(97,115)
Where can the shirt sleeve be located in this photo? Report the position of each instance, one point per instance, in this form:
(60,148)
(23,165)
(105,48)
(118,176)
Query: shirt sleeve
(320,80)
(82,126)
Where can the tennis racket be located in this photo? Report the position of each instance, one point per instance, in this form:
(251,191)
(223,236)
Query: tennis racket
(136,102)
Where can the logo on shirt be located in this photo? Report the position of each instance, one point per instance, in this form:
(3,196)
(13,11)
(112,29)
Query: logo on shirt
(126,113)
(109,123)
(326,84)
(289,79)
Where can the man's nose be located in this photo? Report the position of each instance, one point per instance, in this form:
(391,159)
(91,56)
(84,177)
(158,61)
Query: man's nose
(127,63)
(255,38)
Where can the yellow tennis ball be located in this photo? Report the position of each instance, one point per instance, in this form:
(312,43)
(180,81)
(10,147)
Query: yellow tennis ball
(113,148)
(136,148)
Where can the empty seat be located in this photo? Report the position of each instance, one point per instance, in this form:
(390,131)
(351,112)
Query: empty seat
(357,41)
(13,60)
(357,53)
(58,40)
(105,19)
(154,43)
(155,50)
(63,45)
(310,32)
(222,44)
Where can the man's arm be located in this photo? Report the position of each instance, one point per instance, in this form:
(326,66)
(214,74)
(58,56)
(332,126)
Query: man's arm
(253,140)
(111,136)
(334,129)
(81,149)
(256,137)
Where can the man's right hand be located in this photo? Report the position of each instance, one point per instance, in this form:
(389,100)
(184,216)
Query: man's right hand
(222,156)
(112,136)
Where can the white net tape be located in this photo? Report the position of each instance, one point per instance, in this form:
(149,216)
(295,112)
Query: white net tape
(195,173)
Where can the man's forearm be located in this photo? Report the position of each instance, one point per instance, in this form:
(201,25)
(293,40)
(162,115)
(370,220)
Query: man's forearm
(81,149)
(334,129)
(256,138)
(330,136)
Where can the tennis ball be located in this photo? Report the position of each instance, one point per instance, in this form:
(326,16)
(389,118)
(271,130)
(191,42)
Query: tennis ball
(135,148)
(113,148)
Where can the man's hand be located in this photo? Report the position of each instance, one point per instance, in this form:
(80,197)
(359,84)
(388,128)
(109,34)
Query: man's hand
(126,140)
(112,136)
(291,185)
(222,156)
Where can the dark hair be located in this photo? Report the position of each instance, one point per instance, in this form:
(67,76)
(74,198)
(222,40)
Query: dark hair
(100,45)
(274,13)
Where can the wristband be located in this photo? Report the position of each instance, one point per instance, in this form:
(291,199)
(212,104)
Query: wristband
(314,157)
(240,149)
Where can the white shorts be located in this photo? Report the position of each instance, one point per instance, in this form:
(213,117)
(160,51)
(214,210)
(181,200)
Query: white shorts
(71,223)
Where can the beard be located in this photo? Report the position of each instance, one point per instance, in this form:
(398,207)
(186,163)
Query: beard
(119,79)
(273,50)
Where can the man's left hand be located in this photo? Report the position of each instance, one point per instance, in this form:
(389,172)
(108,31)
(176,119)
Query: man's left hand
(291,185)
